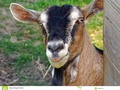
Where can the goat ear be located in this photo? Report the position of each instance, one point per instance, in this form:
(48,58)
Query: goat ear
(22,14)
(92,8)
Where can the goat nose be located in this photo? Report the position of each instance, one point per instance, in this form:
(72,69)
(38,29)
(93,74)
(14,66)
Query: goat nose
(55,48)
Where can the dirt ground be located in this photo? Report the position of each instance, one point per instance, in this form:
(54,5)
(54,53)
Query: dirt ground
(31,75)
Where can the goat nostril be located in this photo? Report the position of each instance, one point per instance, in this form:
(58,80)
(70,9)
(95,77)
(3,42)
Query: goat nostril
(50,47)
(56,48)
(60,47)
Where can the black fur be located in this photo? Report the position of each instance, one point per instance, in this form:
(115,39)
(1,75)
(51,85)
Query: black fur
(58,21)
(58,77)
(58,74)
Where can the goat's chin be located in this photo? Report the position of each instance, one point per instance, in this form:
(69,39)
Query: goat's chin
(58,63)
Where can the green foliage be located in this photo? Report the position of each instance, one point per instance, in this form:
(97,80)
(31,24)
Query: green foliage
(6,3)
(27,50)
(41,4)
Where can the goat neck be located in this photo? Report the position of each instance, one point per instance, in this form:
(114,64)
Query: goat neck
(86,67)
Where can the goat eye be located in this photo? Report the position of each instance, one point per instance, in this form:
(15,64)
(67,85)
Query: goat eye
(80,20)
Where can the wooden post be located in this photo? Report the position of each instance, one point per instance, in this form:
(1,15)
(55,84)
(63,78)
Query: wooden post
(112,42)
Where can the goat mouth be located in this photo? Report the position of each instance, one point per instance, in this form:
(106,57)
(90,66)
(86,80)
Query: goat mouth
(59,62)
(58,59)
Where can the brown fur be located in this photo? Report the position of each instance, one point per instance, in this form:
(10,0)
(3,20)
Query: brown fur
(90,65)
(91,9)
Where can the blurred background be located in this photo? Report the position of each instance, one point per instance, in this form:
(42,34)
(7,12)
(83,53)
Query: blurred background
(22,54)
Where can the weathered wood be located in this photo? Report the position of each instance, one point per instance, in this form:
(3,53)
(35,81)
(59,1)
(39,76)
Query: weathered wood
(112,42)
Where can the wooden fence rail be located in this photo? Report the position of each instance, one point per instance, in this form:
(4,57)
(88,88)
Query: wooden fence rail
(112,42)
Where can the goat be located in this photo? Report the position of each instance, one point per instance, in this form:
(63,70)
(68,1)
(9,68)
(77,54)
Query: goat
(68,46)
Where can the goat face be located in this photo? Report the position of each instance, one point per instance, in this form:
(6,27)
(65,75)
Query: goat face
(59,25)
(60,28)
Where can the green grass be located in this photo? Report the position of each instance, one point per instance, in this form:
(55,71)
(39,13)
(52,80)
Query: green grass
(29,41)
(25,46)
(95,29)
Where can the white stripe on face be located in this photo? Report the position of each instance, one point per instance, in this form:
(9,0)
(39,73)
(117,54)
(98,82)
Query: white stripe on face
(74,16)
(44,19)
(75,13)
